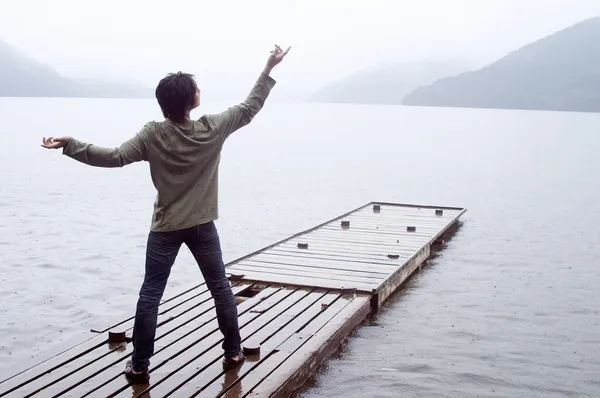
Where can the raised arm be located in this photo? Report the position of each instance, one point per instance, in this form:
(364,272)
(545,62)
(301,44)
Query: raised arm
(132,150)
(240,115)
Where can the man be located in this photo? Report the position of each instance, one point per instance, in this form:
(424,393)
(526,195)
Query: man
(184,157)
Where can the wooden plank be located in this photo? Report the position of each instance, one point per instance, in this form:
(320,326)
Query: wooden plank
(390,242)
(341,255)
(331,273)
(95,362)
(397,248)
(324,273)
(344,248)
(321,266)
(394,221)
(373,236)
(287,280)
(404,207)
(391,247)
(174,373)
(241,387)
(393,224)
(206,384)
(328,262)
(378,230)
(295,370)
(398,217)
(382,272)
(230,382)
(173,345)
(278,272)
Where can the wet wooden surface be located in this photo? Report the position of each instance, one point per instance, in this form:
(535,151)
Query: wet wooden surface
(362,249)
(187,360)
(305,301)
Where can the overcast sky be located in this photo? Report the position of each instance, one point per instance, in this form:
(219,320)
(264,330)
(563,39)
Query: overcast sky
(225,42)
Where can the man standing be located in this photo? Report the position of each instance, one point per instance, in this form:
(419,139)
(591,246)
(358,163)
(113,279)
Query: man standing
(184,157)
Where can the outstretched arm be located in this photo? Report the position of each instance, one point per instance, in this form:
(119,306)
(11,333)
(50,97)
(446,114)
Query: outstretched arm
(133,150)
(240,115)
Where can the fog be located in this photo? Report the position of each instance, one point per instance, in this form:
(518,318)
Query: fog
(225,43)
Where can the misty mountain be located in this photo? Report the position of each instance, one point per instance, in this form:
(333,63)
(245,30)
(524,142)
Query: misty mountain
(559,72)
(23,76)
(386,84)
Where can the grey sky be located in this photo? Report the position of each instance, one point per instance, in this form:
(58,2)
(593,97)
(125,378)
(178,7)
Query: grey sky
(225,43)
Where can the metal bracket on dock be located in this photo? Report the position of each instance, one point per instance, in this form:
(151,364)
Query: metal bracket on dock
(116,337)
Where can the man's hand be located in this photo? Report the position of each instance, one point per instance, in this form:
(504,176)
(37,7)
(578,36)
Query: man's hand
(55,143)
(275,58)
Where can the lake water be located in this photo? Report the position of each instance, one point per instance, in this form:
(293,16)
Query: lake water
(509,308)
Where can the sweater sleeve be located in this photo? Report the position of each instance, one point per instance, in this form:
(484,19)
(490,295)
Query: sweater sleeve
(132,150)
(237,116)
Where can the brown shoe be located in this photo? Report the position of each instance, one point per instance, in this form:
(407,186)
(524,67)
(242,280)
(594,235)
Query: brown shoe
(136,377)
(232,362)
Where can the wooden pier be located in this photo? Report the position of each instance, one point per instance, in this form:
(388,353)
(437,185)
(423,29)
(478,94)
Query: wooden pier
(298,299)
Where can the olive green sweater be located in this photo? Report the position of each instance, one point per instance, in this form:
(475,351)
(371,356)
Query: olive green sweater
(184,159)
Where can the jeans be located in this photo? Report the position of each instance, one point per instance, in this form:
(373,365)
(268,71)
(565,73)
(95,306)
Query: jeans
(203,242)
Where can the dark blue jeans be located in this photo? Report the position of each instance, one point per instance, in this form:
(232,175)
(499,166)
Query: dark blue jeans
(203,242)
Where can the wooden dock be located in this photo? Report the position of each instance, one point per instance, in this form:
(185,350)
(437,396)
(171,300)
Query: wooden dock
(298,299)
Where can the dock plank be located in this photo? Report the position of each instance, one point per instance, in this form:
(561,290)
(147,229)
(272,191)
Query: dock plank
(173,345)
(344,248)
(292,280)
(407,238)
(284,269)
(387,244)
(207,384)
(331,254)
(248,376)
(316,262)
(325,272)
(169,378)
(294,371)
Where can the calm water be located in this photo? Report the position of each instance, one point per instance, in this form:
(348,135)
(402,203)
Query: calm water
(509,308)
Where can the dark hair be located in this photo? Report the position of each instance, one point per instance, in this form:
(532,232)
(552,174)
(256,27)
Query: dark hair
(176,94)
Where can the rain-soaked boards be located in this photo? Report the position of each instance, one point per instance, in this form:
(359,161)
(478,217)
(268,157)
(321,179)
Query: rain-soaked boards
(297,300)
